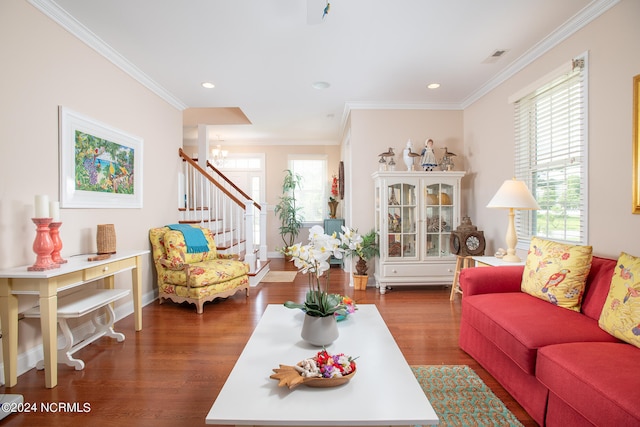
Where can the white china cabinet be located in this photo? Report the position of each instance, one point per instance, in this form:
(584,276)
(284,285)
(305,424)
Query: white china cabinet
(415,213)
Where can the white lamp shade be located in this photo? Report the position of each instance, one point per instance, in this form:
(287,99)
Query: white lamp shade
(515,195)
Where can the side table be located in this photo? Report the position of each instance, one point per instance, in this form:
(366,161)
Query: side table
(461,262)
(491,261)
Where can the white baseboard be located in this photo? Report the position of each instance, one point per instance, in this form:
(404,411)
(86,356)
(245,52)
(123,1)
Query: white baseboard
(274,255)
(28,359)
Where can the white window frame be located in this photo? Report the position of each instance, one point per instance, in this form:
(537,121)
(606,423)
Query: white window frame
(551,141)
(319,190)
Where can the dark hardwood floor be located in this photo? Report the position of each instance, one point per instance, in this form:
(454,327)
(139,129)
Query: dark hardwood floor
(170,373)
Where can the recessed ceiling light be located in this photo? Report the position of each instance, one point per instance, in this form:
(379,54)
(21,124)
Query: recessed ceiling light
(208,85)
(320,85)
(433,85)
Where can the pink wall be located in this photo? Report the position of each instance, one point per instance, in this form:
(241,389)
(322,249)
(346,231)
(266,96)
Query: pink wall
(44,67)
(611,41)
(374,131)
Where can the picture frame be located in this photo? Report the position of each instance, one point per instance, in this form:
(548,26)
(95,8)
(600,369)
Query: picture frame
(100,166)
(636,145)
(341,180)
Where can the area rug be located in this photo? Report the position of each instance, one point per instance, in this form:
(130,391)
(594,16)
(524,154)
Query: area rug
(280,276)
(461,398)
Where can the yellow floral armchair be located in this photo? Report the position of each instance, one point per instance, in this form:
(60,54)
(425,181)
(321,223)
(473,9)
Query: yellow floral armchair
(194,277)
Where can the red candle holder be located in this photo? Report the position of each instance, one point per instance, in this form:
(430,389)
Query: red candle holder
(42,246)
(54,232)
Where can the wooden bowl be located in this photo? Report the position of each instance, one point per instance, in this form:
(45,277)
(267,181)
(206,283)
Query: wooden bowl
(290,377)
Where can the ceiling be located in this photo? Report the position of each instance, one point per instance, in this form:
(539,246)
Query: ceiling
(264,55)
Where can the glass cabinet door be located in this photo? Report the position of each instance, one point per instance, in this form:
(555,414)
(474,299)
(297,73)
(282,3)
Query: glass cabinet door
(401,220)
(439,212)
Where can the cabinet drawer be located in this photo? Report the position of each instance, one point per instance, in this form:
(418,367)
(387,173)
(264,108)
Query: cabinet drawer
(108,269)
(412,270)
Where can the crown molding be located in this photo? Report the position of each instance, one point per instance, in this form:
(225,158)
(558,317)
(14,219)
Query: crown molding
(73,26)
(575,23)
(402,106)
(578,21)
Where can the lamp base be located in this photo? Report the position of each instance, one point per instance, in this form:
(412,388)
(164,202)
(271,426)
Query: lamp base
(511,258)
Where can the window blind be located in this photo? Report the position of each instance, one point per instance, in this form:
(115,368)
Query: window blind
(550,157)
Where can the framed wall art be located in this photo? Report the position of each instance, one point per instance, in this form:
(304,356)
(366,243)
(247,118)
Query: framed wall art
(636,144)
(341,180)
(100,166)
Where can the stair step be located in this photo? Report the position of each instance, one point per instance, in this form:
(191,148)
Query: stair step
(197,208)
(260,265)
(197,221)
(228,244)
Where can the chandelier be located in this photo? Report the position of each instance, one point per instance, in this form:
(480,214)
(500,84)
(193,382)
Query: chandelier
(218,156)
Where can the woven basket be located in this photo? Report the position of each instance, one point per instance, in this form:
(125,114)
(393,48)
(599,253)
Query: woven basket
(106,239)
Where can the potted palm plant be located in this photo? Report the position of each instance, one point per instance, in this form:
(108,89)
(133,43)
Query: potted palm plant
(365,250)
(287,210)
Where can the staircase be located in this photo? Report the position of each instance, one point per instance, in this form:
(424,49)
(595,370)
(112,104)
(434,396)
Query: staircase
(208,198)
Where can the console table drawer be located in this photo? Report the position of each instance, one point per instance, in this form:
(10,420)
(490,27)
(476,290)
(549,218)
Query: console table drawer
(413,270)
(108,269)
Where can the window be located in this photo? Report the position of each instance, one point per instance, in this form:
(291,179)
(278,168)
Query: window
(312,197)
(550,137)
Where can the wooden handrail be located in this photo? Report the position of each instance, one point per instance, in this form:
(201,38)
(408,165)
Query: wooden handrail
(187,159)
(232,184)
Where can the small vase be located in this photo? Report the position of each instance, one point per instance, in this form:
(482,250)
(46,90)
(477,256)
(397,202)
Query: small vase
(333,208)
(319,331)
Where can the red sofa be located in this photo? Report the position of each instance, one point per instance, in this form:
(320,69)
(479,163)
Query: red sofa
(557,363)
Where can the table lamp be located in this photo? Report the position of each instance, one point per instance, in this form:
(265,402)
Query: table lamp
(512,195)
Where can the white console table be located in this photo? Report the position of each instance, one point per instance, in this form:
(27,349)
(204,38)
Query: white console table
(46,284)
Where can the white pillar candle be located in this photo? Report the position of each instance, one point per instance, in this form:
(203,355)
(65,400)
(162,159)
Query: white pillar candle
(42,206)
(54,211)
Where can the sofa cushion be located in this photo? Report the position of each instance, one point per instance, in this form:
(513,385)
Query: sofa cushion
(487,280)
(203,292)
(598,380)
(176,248)
(207,273)
(598,284)
(621,312)
(556,272)
(519,325)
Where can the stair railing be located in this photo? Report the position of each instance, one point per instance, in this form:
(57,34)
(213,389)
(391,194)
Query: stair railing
(204,200)
(258,211)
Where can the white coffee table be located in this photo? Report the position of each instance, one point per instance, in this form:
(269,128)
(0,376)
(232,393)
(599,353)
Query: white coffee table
(383,391)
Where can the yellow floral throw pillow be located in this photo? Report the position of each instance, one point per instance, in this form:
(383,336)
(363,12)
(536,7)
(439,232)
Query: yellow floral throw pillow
(557,272)
(621,312)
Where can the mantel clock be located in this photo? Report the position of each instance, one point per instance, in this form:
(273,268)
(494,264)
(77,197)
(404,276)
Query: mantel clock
(466,240)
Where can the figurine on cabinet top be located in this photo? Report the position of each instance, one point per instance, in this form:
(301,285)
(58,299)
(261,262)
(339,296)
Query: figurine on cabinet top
(447,160)
(408,155)
(428,161)
(382,163)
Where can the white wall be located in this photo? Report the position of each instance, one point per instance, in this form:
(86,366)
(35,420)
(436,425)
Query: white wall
(612,43)
(43,66)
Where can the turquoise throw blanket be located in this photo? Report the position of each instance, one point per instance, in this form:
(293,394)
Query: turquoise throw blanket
(193,237)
